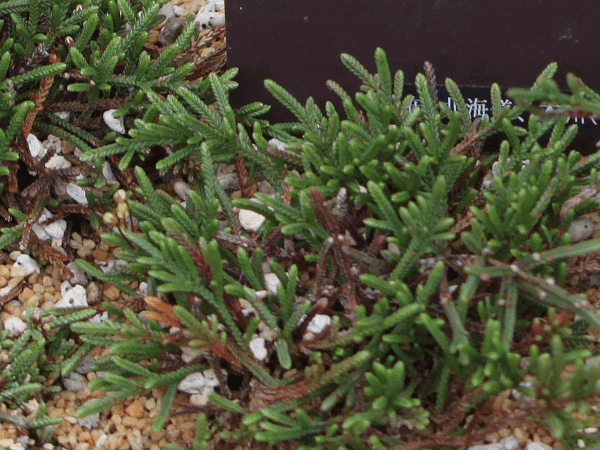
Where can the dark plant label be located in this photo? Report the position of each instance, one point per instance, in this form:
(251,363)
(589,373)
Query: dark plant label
(297,44)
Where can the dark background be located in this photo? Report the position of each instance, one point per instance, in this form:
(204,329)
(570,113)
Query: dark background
(474,42)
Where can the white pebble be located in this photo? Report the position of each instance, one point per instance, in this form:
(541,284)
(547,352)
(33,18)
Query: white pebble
(486,447)
(318,323)
(14,326)
(74,297)
(181,189)
(77,193)
(192,383)
(266,333)
(58,162)
(36,148)
(211,15)
(257,346)
(247,307)
(581,229)
(53,142)
(271,283)
(210,378)
(74,382)
(102,440)
(144,289)
(40,230)
(538,446)
(91,421)
(99,318)
(250,220)
(79,276)
(28,264)
(107,172)
(112,265)
(510,443)
(117,125)
(64,115)
(188,354)
(279,145)
(56,229)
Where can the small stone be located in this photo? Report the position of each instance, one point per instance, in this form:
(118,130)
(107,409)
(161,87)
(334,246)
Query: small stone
(247,308)
(85,366)
(108,173)
(56,229)
(77,193)
(250,220)
(117,125)
(171,31)
(144,289)
(581,229)
(36,148)
(198,399)
(74,382)
(74,297)
(89,243)
(279,145)
(79,276)
(112,265)
(101,441)
(135,409)
(99,318)
(17,271)
(265,187)
(211,15)
(271,283)
(90,422)
(40,230)
(496,446)
(58,162)
(112,293)
(192,383)
(14,326)
(227,177)
(510,443)
(210,378)
(100,255)
(257,346)
(265,332)
(181,189)
(33,407)
(93,293)
(63,115)
(538,446)
(318,323)
(28,264)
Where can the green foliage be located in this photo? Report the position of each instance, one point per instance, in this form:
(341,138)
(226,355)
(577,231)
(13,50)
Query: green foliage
(399,271)
(36,358)
(432,261)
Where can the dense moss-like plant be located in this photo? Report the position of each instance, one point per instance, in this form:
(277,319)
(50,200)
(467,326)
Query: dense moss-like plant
(395,253)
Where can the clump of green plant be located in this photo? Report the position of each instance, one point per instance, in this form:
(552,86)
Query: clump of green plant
(33,361)
(426,259)
(62,65)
